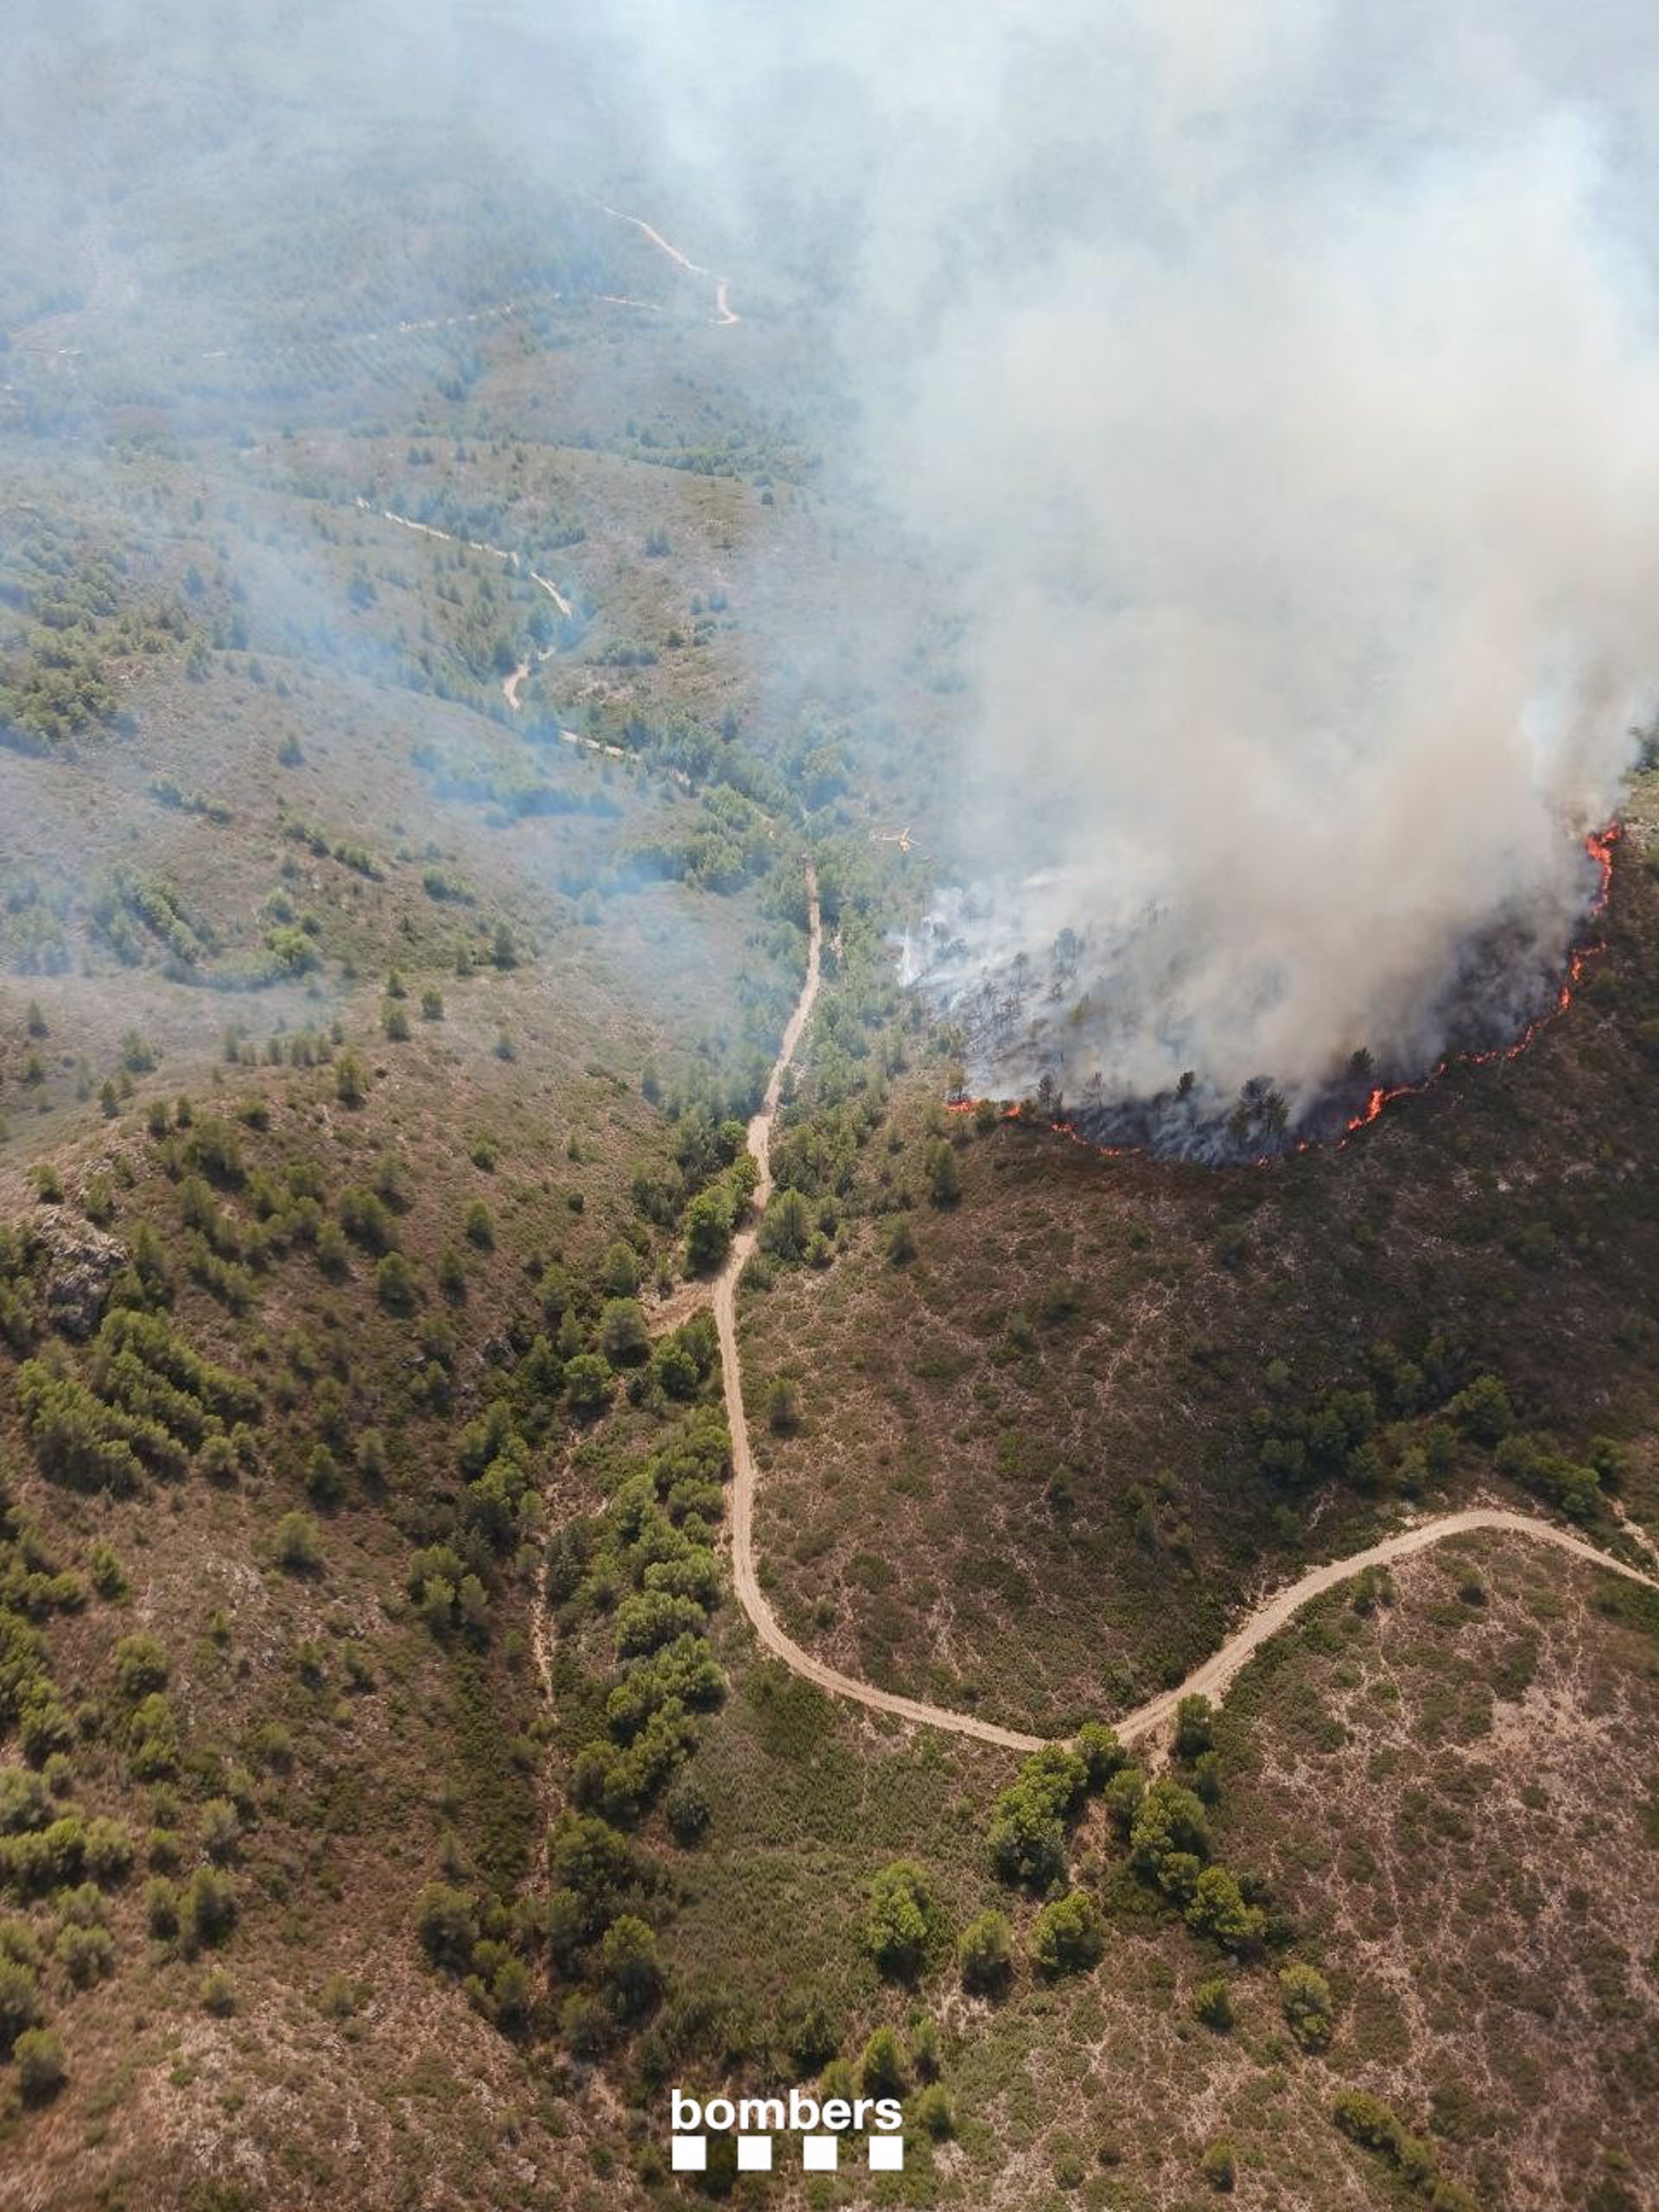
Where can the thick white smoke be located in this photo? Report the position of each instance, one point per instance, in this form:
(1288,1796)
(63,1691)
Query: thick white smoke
(1280,389)
(1329,604)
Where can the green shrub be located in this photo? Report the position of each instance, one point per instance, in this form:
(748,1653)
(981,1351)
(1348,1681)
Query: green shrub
(902,1917)
(933,2114)
(629,1966)
(1102,1754)
(1069,1935)
(395,1284)
(1027,1831)
(160,1907)
(108,1853)
(1169,1838)
(985,1954)
(220,1828)
(809,2032)
(1305,1998)
(20,2001)
(296,1545)
(1218,1909)
(207,1909)
(323,1478)
(217,1993)
(447,1925)
(140,1665)
(588,1383)
(1218,2165)
(624,1339)
(1194,1728)
(1212,2004)
(85,1955)
(38,2056)
(881,2065)
(1482,1410)
(688,1810)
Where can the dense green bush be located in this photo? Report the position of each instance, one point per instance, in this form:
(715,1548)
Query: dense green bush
(1305,1998)
(1069,1934)
(38,2053)
(903,1919)
(985,1954)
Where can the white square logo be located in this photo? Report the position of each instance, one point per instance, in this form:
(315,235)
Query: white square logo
(691,2154)
(754,2154)
(818,2153)
(886,2154)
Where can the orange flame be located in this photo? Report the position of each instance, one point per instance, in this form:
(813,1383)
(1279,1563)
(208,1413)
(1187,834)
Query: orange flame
(1599,844)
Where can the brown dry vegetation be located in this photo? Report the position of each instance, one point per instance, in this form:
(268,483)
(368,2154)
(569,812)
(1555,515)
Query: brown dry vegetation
(1026,1475)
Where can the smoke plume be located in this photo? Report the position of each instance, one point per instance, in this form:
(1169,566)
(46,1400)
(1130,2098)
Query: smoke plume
(1284,411)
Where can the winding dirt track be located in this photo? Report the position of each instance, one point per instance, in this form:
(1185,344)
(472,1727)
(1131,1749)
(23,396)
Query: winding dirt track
(724,312)
(1212,1678)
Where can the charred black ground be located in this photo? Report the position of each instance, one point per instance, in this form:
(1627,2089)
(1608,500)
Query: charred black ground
(1504,989)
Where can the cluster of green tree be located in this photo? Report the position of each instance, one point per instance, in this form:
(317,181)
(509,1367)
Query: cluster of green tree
(132,914)
(53,1852)
(1165,1827)
(715,1212)
(487,613)
(1365,2120)
(682,746)
(1575,1487)
(67,598)
(319,844)
(1032,1817)
(21,1257)
(225,1252)
(590,1929)
(728,845)
(147,1401)
(1407,1425)
(60,692)
(741,452)
(793,1229)
(818,760)
(34,1584)
(624,650)
(647,1565)
(857,1044)
(445,886)
(284,1048)
(1170,1847)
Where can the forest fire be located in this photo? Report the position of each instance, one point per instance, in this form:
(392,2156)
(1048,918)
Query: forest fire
(1599,844)
(1260,1109)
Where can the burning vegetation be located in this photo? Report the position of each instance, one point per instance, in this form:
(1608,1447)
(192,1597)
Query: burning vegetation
(1495,982)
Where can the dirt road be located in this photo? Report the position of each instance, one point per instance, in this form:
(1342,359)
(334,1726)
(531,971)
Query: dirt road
(473,545)
(724,312)
(1212,1677)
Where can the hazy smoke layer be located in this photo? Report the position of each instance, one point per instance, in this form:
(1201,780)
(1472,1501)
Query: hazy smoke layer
(1286,412)
(1331,608)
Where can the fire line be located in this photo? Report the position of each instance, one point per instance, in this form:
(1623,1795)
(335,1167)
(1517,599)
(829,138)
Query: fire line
(1600,844)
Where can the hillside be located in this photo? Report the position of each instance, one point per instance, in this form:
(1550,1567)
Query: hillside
(450,674)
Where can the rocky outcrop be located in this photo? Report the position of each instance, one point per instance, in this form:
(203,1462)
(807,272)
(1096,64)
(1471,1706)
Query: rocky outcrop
(81,1265)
